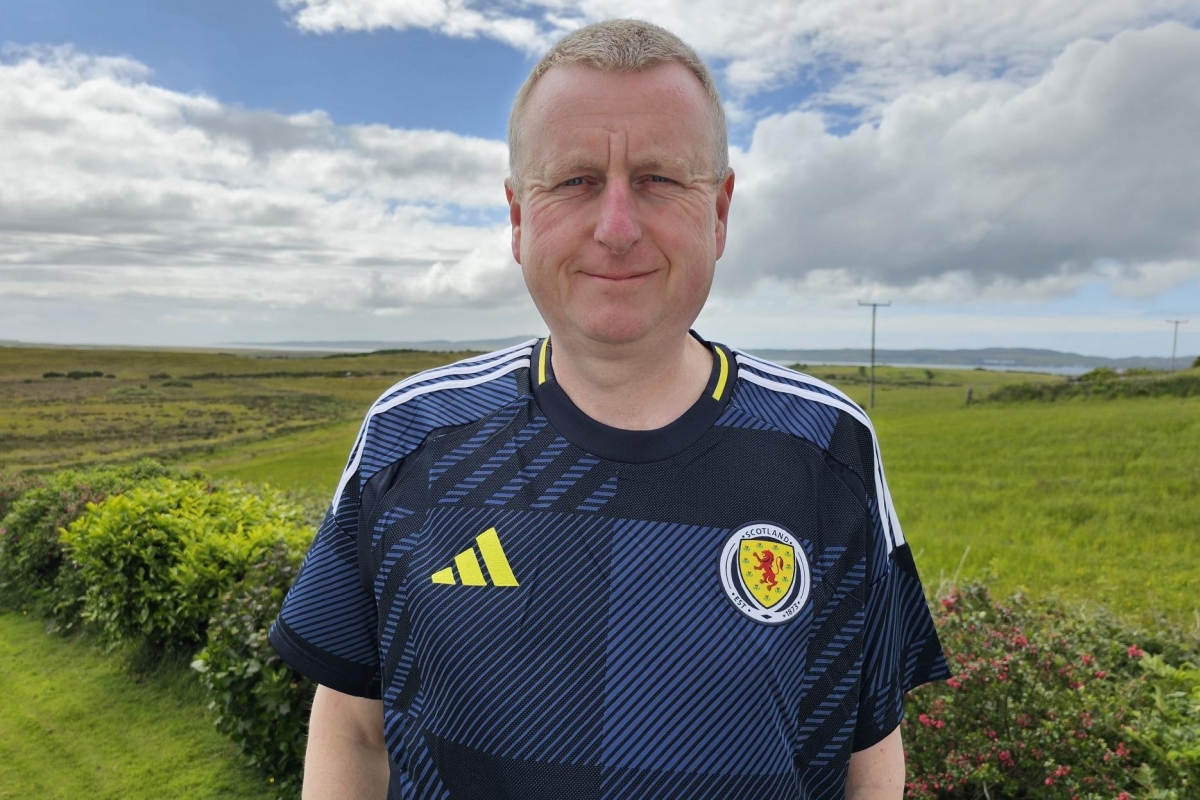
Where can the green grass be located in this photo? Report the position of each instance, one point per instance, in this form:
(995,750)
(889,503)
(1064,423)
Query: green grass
(1097,501)
(75,724)
(311,461)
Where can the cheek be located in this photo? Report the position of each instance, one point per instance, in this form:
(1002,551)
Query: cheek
(545,237)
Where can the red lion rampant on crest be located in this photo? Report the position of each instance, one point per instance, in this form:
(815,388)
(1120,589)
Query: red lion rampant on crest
(767,565)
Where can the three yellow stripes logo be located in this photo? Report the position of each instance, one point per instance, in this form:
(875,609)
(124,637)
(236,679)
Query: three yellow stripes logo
(468,565)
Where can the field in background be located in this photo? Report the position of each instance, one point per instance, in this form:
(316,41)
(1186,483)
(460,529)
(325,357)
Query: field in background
(178,404)
(1096,500)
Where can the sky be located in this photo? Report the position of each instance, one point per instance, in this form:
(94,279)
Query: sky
(1022,174)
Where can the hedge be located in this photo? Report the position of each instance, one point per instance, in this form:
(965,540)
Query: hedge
(259,701)
(31,553)
(155,560)
(1102,383)
(171,562)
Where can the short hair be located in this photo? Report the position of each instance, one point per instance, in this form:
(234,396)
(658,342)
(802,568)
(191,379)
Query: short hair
(617,46)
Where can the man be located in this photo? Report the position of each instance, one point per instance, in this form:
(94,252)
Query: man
(620,562)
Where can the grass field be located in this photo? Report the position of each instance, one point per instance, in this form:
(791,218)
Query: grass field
(74,725)
(1096,500)
(177,404)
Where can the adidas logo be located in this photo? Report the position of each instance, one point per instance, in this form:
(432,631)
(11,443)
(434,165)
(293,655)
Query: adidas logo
(468,565)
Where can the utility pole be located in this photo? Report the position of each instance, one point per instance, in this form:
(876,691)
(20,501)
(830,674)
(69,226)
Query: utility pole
(1175,341)
(874,307)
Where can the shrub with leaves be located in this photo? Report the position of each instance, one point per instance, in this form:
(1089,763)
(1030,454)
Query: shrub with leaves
(31,554)
(1165,726)
(12,487)
(156,559)
(1046,704)
(259,701)
(1102,384)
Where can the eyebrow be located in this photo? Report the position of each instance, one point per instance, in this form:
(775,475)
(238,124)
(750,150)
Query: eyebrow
(571,166)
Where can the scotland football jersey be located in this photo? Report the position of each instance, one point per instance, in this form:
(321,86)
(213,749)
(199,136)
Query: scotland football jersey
(553,608)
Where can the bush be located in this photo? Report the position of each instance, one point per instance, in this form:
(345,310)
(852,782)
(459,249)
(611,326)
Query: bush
(156,559)
(260,702)
(1049,705)
(1101,385)
(31,553)
(1100,375)
(12,487)
(1196,363)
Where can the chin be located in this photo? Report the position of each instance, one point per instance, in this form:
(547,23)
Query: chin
(618,326)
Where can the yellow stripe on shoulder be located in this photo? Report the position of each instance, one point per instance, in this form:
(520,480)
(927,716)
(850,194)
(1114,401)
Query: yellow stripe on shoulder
(723,377)
(542,361)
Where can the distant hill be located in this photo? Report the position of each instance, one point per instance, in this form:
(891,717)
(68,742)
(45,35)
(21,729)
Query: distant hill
(1003,358)
(988,357)
(363,346)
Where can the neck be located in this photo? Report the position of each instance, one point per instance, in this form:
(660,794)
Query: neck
(634,387)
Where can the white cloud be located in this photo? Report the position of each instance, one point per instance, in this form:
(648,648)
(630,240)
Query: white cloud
(115,186)
(874,50)
(1145,281)
(988,186)
(1068,168)
(448,17)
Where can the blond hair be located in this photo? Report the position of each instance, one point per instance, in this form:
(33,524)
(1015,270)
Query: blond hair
(617,46)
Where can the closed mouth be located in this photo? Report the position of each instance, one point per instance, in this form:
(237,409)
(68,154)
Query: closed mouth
(619,277)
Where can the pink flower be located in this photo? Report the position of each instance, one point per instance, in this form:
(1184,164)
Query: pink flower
(1135,652)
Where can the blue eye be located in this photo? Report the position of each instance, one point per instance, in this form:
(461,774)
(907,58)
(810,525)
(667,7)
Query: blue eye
(573,182)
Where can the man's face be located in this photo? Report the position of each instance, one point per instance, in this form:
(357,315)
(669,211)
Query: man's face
(619,220)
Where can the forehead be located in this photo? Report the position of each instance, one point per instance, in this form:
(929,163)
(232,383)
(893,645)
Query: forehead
(660,113)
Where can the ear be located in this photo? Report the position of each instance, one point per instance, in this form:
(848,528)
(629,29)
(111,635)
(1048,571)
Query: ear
(724,198)
(514,218)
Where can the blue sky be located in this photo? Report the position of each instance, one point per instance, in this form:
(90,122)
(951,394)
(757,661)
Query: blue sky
(1010,182)
(247,53)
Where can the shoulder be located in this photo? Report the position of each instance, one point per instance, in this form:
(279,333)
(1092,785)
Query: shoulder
(810,409)
(409,411)
(794,402)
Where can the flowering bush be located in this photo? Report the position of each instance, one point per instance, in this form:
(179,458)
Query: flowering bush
(12,487)
(1045,704)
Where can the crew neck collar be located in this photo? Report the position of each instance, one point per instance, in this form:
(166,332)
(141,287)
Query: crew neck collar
(628,446)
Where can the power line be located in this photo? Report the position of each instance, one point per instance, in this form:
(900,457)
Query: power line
(1175,340)
(874,307)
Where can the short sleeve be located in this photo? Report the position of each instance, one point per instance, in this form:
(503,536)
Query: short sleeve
(327,628)
(901,649)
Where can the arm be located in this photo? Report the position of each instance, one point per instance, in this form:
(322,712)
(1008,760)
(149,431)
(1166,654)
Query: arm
(877,773)
(346,756)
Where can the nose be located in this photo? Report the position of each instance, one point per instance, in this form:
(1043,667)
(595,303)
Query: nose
(618,228)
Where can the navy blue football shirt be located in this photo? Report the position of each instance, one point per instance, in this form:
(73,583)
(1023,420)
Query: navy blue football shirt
(553,608)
